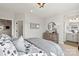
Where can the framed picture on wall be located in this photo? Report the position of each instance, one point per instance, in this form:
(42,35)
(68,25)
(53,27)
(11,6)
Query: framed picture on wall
(34,26)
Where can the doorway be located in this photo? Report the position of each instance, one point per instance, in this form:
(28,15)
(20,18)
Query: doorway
(6,27)
(71,32)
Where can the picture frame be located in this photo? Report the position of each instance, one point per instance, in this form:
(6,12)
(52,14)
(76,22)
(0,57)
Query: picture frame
(34,26)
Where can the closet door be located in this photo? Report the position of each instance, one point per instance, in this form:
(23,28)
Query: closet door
(19,28)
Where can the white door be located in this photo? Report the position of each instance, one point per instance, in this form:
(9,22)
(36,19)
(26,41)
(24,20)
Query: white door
(19,28)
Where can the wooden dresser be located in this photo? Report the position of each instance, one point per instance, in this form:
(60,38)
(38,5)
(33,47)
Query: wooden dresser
(51,36)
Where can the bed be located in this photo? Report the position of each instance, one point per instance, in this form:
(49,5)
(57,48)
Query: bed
(48,46)
(28,47)
(19,47)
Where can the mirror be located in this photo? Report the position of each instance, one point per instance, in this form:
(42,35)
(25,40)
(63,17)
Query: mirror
(51,26)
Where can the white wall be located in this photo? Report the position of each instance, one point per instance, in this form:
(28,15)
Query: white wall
(33,33)
(6,15)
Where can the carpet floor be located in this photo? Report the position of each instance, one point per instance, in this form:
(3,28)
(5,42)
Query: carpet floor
(70,50)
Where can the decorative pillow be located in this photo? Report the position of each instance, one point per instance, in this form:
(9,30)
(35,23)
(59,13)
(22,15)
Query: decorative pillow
(19,44)
(7,48)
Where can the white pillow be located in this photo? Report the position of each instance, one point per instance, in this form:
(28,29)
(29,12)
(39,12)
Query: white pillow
(20,45)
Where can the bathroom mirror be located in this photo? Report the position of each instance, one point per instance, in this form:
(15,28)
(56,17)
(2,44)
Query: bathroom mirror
(51,26)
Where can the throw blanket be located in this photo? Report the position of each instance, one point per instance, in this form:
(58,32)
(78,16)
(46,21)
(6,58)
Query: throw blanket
(48,46)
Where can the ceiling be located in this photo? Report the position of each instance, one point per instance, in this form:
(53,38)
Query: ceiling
(51,9)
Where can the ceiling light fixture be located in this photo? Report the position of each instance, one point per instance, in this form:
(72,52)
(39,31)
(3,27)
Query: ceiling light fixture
(41,5)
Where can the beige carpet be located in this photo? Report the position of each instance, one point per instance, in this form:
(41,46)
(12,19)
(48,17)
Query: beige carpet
(70,50)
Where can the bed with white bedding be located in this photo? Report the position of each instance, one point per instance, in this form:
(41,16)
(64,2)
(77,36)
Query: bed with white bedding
(28,47)
(48,46)
(19,47)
